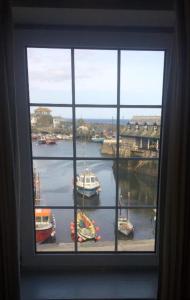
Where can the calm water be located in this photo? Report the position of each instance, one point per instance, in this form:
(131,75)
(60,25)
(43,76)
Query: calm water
(56,177)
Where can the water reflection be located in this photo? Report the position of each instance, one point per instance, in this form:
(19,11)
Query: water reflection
(137,190)
(143,238)
(88,202)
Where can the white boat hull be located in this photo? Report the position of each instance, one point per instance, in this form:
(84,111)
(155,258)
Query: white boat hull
(88,192)
(125,227)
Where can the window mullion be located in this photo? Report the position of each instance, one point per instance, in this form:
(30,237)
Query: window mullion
(117,148)
(74,144)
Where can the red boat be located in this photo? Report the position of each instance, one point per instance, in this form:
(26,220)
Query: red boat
(45,225)
(50,141)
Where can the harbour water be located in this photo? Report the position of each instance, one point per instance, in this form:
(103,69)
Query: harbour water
(56,181)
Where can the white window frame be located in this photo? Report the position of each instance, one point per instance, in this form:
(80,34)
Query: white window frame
(72,38)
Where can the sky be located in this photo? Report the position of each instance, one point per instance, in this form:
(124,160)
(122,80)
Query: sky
(49,73)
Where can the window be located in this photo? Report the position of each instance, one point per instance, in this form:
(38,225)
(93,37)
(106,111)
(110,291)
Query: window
(95,118)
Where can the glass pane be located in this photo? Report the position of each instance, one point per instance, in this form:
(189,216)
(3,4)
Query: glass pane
(95,132)
(95,183)
(140,132)
(51,131)
(96,76)
(142,77)
(96,230)
(138,181)
(49,74)
(53,235)
(136,230)
(53,182)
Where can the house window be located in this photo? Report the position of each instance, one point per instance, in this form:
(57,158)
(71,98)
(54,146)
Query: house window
(95,118)
(91,123)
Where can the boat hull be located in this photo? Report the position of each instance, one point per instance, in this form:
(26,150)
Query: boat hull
(41,142)
(50,142)
(88,192)
(86,230)
(43,235)
(125,227)
(97,140)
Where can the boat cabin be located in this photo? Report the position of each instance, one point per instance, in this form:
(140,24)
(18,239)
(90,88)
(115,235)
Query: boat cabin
(42,217)
(88,179)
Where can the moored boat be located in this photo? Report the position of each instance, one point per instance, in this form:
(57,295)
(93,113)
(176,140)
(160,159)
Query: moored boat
(45,225)
(86,229)
(50,141)
(34,137)
(125,227)
(97,139)
(87,184)
(42,141)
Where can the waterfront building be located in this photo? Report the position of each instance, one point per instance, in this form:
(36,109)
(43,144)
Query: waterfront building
(58,122)
(150,120)
(42,111)
(139,139)
(82,129)
(42,117)
(33,120)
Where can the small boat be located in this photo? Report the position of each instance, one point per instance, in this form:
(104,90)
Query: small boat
(125,227)
(50,141)
(59,136)
(86,229)
(42,141)
(97,139)
(87,184)
(34,137)
(36,186)
(45,225)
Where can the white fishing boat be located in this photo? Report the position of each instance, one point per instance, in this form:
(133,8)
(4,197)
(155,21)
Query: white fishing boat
(87,184)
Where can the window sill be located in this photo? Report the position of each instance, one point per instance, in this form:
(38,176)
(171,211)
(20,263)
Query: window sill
(89,285)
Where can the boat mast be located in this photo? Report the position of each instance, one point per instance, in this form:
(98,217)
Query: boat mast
(83,193)
(128,196)
(120,205)
(36,187)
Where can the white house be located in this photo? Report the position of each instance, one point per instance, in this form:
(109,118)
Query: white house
(58,121)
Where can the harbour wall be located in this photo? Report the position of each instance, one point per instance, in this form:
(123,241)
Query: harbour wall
(142,167)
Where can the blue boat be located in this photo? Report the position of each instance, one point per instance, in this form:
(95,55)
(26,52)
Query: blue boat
(97,139)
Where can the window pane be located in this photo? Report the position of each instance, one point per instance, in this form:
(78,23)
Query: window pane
(136,230)
(95,132)
(51,131)
(53,182)
(49,74)
(96,230)
(140,132)
(138,182)
(101,191)
(54,235)
(96,76)
(142,77)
